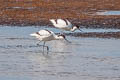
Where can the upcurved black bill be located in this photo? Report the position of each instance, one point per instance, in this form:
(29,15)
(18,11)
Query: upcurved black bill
(67,40)
(80,30)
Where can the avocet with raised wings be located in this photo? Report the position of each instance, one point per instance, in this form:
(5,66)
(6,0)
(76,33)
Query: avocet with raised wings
(46,35)
(64,24)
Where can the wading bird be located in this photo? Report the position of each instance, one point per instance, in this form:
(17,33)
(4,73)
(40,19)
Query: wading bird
(46,35)
(64,24)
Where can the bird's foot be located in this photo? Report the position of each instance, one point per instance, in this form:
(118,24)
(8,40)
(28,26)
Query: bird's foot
(47,49)
(38,44)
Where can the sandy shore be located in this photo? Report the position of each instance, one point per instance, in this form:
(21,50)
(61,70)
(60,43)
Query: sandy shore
(38,12)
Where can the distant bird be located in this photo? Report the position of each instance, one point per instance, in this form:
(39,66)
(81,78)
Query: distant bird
(64,24)
(46,35)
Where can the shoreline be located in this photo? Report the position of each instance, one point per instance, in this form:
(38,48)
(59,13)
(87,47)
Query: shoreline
(86,23)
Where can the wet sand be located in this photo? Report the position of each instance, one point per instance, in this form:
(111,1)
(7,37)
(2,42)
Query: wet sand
(86,58)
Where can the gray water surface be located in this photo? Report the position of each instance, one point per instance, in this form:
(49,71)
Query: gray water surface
(108,13)
(83,59)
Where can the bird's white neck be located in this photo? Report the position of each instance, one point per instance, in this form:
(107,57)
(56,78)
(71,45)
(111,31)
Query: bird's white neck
(58,37)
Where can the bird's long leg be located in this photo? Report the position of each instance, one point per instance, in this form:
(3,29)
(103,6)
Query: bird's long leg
(47,49)
(43,46)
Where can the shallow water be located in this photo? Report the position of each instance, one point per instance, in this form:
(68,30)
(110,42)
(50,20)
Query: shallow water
(108,13)
(83,59)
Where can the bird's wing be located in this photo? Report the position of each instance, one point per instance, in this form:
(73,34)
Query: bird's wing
(61,23)
(45,32)
(69,23)
(58,22)
(64,23)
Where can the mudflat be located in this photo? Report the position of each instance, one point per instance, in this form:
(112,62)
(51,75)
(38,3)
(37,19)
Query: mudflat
(38,12)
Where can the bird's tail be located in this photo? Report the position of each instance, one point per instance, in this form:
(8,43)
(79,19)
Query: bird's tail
(33,34)
(52,21)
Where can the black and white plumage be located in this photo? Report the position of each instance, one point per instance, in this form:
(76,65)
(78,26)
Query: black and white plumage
(46,35)
(64,24)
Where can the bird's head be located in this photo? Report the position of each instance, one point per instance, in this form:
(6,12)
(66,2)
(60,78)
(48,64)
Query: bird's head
(75,27)
(62,36)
